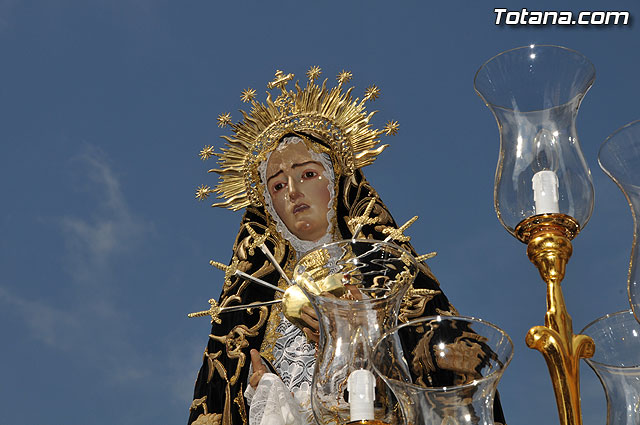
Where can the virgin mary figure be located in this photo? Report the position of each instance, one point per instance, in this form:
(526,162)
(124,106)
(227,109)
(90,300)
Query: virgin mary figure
(294,166)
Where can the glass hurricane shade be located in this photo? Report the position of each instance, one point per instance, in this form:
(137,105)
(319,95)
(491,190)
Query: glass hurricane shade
(619,157)
(534,93)
(356,287)
(444,369)
(617,364)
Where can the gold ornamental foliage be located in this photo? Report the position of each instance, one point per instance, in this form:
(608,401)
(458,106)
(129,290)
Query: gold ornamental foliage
(330,114)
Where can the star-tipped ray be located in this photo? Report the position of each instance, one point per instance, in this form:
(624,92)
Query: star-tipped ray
(344,77)
(391,129)
(248,95)
(203,192)
(372,93)
(206,152)
(314,73)
(224,120)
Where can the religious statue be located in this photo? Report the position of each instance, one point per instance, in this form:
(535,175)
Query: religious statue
(294,165)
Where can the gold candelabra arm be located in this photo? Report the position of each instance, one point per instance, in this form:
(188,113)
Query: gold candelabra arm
(549,248)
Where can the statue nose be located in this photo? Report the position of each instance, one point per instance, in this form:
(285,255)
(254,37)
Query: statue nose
(294,192)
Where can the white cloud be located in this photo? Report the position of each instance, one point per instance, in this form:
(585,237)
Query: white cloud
(111,229)
(48,324)
(83,316)
(87,313)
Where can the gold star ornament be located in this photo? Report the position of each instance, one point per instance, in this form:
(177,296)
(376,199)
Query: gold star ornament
(206,152)
(344,77)
(203,192)
(224,120)
(391,128)
(248,95)
(314,73)
(372,93)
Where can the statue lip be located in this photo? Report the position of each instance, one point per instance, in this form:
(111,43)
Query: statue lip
(299,208)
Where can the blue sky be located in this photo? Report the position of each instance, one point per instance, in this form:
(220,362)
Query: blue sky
(104,250)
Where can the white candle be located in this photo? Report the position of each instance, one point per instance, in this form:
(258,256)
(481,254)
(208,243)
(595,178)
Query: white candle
(361,384)
(545,192)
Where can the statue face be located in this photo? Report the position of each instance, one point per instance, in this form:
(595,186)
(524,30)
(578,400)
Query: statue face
(299,191)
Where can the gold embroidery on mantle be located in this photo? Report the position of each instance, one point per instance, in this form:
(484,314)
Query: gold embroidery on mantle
(211,365)
(208,419)
(236,340)
(239,400)
(199,402)
(415,302)
(451,312)
(205,418)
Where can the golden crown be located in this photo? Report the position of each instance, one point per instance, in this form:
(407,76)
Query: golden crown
(331,115)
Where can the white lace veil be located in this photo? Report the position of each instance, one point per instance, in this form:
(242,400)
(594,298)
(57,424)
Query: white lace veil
(299,245)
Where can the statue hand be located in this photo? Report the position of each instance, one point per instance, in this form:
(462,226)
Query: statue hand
(259,368)
(308,314)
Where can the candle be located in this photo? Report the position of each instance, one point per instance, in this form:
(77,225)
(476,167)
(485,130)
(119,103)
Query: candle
(361,384)
(545,192)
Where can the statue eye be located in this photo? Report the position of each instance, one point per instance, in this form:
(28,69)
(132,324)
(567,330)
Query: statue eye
(278,186)
(309,174)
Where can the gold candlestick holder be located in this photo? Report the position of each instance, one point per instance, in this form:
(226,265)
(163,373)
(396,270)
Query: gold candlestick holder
(543,193)
(548,238)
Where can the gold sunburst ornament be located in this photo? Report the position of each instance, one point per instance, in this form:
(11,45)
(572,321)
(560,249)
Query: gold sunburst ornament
(391,128)
(224,120)
(344,77)
(248,95)
(206,152)
(203,192)
(314,73)
(329,114)
(372,93)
